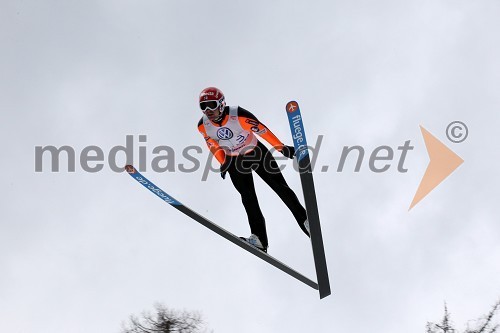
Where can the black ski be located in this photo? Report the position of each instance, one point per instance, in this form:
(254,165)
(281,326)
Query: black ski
(306,178)
(215,228)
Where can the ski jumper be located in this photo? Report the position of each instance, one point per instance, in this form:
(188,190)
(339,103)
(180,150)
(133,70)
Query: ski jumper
(234,138)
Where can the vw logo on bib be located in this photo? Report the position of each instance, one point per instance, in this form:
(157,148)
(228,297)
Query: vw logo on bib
(224,133)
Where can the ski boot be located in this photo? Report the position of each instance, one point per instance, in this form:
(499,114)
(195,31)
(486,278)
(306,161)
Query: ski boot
(255,242)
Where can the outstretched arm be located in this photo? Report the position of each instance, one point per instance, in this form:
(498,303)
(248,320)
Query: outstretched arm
(250,123)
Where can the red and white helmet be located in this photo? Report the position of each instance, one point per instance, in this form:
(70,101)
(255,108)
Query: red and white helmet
(212,98)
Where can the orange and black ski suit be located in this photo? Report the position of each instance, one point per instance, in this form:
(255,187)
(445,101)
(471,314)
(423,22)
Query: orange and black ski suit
(242,161)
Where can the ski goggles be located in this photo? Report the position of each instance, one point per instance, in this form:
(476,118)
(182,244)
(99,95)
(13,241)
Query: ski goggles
(209,105)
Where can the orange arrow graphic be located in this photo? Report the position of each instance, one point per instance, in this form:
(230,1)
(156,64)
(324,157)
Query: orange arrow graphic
(443,161)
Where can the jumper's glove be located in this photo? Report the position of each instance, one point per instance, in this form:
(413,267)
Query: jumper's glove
(288,151)
(224,167)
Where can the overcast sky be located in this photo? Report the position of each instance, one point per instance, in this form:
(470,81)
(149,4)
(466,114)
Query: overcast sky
(80,252)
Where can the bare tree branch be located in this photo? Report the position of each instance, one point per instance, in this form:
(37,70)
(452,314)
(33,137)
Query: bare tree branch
(166,320)
(484,324)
